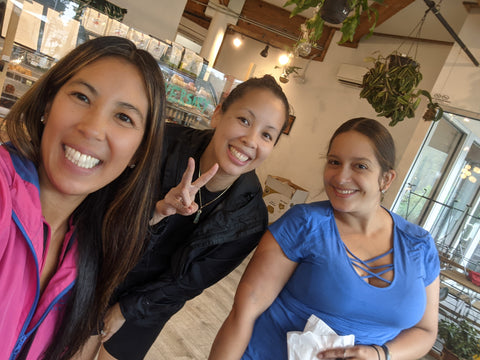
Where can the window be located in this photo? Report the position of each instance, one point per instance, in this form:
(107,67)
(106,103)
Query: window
(442,190)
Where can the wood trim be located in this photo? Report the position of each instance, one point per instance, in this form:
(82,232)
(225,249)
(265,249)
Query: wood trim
(273,25)
(470,5)
(285,30)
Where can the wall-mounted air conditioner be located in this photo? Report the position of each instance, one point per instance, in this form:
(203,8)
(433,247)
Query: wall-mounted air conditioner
(351,74)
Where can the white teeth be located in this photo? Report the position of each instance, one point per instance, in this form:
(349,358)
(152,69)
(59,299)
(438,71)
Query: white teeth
(345,192)
(238,155)
(79,159)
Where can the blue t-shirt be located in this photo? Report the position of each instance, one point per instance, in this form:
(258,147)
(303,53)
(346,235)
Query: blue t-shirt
(326,284)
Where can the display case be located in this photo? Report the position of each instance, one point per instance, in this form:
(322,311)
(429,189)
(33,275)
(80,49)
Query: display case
(190,102)
(193,90)
(24,68)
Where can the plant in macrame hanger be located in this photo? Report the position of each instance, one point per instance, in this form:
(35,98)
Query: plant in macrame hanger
(390,86)
(344,12)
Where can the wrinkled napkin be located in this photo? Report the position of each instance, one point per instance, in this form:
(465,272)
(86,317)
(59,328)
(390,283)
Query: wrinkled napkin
(316,336)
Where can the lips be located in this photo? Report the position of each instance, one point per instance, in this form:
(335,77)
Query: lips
(238,155)
(81,160)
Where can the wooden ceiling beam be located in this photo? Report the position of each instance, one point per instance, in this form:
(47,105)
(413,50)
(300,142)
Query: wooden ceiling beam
(470,6)
(385,11)
(273,25)
(196,12)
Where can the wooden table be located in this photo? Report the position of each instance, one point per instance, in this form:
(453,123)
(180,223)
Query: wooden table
(461,279)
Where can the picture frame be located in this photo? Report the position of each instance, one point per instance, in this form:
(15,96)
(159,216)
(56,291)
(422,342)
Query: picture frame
(291,119)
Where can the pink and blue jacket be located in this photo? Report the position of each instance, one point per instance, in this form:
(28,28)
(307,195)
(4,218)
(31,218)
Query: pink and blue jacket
(28,318)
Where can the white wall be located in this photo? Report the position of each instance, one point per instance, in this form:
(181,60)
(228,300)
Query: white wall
(154,17)
(321,104)
(459,80)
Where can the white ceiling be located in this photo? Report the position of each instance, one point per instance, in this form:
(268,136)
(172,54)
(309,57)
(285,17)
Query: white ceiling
(159,18)
(405,21)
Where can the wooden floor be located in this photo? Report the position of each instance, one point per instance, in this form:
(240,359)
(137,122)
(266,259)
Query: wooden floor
(190,333)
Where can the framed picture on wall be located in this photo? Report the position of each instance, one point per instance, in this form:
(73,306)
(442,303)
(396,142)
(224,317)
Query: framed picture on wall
(291,119)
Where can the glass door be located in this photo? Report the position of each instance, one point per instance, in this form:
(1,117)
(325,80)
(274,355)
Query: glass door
(454,224)
(442,190)
(425,178)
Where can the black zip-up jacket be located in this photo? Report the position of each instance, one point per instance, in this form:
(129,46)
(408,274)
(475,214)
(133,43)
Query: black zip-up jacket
(216,246)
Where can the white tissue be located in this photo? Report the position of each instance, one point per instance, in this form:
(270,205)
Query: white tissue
(316,336)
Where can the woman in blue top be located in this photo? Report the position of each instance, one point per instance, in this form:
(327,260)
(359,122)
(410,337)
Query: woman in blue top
(360,268)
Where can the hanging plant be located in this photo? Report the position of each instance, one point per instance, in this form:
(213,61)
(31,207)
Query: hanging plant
(335,11)
(287,70)
(390,86)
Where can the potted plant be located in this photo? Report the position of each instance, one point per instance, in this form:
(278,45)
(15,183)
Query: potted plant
(335,11)
(460,340)
(390,86)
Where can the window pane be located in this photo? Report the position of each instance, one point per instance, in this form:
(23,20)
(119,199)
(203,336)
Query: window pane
(431,163)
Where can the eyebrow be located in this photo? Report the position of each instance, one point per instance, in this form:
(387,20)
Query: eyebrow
(121,103)
(132,107)
(355,158)
(268,126)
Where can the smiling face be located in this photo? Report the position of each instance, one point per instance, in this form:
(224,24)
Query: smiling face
(93,127)
(246,132)
(353,178)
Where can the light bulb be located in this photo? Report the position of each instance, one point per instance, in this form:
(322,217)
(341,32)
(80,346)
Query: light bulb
(283,59)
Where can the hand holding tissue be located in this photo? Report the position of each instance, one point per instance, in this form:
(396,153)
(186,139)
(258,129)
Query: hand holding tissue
(316,336)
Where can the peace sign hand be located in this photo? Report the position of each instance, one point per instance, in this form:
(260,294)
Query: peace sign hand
(181,198)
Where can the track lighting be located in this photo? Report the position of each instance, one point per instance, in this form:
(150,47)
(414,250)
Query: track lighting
(264,52)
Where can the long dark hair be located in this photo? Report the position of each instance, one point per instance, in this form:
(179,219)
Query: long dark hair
(111,224)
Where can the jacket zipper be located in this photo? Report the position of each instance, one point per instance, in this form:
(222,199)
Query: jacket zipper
(23,336)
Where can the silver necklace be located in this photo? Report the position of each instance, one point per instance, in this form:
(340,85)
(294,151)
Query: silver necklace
(199,211)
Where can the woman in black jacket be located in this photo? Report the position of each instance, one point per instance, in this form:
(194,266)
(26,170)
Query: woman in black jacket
(201,233)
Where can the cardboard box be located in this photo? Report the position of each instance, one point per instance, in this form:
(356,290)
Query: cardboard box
(280,195)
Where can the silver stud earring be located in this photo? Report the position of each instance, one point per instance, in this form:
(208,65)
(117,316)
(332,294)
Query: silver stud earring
(42,119)
(131,166)
(383,191)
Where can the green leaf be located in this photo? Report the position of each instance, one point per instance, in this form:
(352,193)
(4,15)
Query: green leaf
(348,29)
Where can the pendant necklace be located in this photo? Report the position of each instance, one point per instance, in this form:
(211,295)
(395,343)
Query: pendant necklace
(199,211)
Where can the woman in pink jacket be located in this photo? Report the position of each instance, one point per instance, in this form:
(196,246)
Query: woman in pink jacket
(76,194)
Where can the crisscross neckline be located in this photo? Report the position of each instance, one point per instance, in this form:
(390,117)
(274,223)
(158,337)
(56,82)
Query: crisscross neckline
(371,271)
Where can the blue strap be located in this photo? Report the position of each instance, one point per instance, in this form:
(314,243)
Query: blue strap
(372,271)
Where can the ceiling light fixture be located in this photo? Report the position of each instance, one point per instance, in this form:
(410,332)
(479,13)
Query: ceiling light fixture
(284,59)
(264,52)
(237,42)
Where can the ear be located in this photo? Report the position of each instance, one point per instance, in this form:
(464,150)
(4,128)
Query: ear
(387,179)
(216,116)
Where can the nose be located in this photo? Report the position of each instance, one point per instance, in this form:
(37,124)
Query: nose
(343,174)
(249,138)
(93,125)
